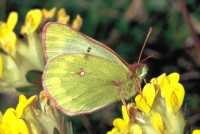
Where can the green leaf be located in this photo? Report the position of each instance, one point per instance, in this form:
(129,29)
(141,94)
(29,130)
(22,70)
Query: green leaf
(29,88)
(34,76)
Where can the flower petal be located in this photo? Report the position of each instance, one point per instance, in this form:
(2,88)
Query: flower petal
(1,117)
(141,104)
(149,93)
(77,23)
(170,99)
(33,19)
(154,81)
(135,129)
(20,106)
(22,98)
(119,123)
(174,98)
(196,131)
(4,30)
(164,84)
(12,20)
(62,16)
(48,14)
(5,128)
(23,103)
(159,78)
(145,101)
(157,122)
(31,100)
(125,115)
(18,126)
(9,116)
(174,77)
(114,131)
(1,67)
(7,43)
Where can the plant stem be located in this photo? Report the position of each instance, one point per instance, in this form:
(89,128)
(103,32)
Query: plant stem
(191,28)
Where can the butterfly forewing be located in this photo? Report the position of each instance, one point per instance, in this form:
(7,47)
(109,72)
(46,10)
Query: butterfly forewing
(81,83)
(59,39)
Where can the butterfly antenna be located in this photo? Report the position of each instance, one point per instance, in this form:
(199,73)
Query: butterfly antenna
(146,58)
(148,34)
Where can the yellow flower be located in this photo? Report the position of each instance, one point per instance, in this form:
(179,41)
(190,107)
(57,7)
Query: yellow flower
(1,67)
(62,16)
(135,129)
(4,127)
(32,21)
(157,81)
(14,124)
(9,116)
(19,127)
(48,14)
(23,103)
(157,104)
(145,101)
(168,102)
(157,122)
(11,121)
(122,124)
(7,36)
(77,23)
(197,131)
(9,25)
(172,91)
(114,131)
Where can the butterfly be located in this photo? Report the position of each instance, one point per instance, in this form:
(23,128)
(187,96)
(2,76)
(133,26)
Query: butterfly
(83,75)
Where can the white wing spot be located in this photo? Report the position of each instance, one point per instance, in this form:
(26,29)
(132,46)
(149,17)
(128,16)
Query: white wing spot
(82,73)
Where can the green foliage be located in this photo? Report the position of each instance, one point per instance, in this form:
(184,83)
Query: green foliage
(34,76)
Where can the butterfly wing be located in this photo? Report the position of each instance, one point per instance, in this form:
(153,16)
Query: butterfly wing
(81,83)
(58,39)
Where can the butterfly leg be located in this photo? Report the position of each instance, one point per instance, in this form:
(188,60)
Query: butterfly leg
(137,86)
(123,99)
(118,86)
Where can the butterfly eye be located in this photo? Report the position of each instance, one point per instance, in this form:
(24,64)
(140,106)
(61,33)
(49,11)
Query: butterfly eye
(89,49)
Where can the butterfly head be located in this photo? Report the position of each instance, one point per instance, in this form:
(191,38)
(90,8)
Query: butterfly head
(138,70)
(141,70)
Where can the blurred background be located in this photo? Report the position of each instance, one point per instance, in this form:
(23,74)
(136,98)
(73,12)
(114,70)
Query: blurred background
(122,25)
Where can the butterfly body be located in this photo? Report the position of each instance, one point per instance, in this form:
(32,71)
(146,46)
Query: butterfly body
(83,75)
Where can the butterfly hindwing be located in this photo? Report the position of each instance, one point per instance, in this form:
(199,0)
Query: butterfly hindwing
(81,83)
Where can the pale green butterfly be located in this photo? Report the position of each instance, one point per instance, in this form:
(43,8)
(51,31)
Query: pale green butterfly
(83,75)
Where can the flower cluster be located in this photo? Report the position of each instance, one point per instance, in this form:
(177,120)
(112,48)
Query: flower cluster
(27,118)
(11,121)
(156,109)
(25,54)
